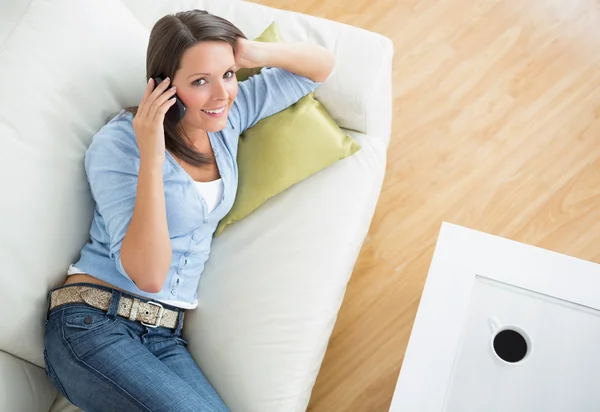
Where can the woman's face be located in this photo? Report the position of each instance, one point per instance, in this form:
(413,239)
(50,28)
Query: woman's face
(206,85)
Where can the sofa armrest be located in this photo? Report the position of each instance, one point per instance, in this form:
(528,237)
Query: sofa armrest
(357,94)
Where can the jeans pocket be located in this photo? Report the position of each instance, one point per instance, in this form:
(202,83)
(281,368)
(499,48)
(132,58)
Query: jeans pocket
(85,324)
(52,376)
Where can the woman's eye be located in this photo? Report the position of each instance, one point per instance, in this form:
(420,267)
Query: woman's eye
(199,82)
(229,74)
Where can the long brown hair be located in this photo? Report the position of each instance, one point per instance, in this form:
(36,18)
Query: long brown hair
(170,37)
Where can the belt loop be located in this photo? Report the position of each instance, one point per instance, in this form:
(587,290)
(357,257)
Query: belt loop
(113,308)
(179,327)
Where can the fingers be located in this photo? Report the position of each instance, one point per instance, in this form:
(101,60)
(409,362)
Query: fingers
(154,110)
(147,91)
(158,91)
(164,108)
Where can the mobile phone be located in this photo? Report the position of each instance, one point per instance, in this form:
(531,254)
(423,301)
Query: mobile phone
(175,112)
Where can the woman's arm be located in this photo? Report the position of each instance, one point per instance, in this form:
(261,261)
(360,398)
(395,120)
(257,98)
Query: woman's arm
(146,251)
(305,59)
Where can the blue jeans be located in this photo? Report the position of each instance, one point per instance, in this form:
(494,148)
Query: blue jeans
(102,362)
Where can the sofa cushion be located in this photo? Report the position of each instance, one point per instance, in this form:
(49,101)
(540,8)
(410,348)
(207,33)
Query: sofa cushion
(274,283)
(12,11)
(23,386)
(64,69)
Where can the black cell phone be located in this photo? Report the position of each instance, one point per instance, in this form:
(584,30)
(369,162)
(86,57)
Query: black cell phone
(177,111)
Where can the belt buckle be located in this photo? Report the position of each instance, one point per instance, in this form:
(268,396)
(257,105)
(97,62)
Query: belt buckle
(161,311)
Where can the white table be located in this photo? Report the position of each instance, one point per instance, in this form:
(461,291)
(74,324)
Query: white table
(479,284)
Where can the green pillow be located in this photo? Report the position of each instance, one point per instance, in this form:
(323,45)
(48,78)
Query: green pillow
(284,149)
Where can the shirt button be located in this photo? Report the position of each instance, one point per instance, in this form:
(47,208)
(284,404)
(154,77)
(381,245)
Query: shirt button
(173,292)
(205,221)
(195,236)
(179,272)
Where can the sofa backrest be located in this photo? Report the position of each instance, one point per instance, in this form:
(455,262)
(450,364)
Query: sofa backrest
(64,68)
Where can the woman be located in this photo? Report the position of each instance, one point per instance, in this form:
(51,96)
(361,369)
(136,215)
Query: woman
(113,331)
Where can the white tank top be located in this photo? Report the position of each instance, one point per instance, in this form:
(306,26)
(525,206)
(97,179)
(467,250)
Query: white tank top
(212,192)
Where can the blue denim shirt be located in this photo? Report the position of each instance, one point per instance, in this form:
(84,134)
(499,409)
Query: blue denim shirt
(112,163)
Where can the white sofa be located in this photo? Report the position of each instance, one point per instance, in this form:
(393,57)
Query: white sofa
(275,281)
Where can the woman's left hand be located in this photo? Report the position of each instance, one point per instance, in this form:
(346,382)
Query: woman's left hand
(305,59)
(248,54)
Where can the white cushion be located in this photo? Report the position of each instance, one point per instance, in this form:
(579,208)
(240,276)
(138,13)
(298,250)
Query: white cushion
(63,70)
(12,11)
(274,283)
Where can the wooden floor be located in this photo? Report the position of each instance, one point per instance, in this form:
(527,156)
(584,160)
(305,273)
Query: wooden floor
(497,128)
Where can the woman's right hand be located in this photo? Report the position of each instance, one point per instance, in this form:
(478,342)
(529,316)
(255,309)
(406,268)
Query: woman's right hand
(148,121)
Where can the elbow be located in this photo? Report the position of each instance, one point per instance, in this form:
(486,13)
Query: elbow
(149,282)
(149,277)
(328,63)
(150,287)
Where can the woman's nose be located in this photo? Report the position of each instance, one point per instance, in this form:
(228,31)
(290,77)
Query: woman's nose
(219,91)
